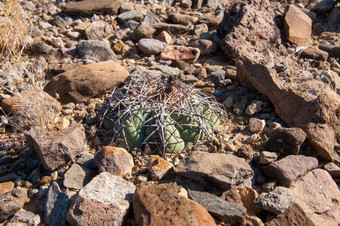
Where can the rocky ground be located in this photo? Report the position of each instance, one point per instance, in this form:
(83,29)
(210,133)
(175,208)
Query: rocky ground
(272,65)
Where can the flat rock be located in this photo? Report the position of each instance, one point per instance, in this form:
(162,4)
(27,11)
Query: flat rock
(159,168)
(186,54)
(98,29)
(57,204)
(24,218)
(276,201)
(221,170)
(267,157)
(221,209)
(11,202)
(179,18)
(89,7)
(244,36)
(6,187)
(314,113)
(298,26)
(319,197)
(130,15)
(78,176)
(108,196)
(151,46)
(332,49)
(56,148)
(84,82)
(286,140)
(315,53)
(162,205)
(116,161)
(172,28)
(143,31)
(290,168)
(95,50)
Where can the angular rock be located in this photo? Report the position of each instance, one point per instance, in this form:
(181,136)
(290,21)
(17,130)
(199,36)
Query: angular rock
(244,36)
(98,29)
(332,49)
(221,170)
(248,195)
(87,159)
(172,28)
(95,50)
(298,26)
(207,47)
(24,218)
(256,125)
(84,82)
(162,205)
(314,53)
(151,46)
(11,202)
(173,71)
(267,157)
(57,204)
(276,201)
(164,37)
(56,148)
(116,161)
(186,54)
(130,15)
(77,176)
(143,31)
(178,18)
(332,169)
(159,168)
(290,168)
(89,7)
(6,187)
(108,196)
(286,140)
(333,18)
(319,197)
(315,114)
(322,7)
(221,209)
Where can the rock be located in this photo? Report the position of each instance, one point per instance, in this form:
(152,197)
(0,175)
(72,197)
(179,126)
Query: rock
(150,46)
(298,26)
(294,215)
(173,71)
(95,50)
(178,18)
(333,18)
(221,170)
(332,49)
(6,187)
(164,37)
(276,201)
(77,176)
(201,29)
(84,82)
(314,53)
(108,196)
(186,54)
(56,148)
(223,210)
(159,168)
(98,29)
(130,15)
(319,197)
(11,202)
(332,169)
(126,6)
(267,157)
(87,159)
(116,161)
(143,31)
(290,168)
(256,125)
(171,28)
(161,204)
(244,36)
(315,114)
(286,140)
(57,204)
(248,195)
(322,7)
(207,47)
(120,48)
(89,7)
(150,18)
(228,103)
(24,218)
(189,78)
(254,107)
(215,3)
(197,4)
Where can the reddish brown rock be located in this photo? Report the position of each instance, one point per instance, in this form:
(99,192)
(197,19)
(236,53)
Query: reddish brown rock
(178,18)
(248,29)
(162,205)
(11,202)
(186,54)
(315,53)
(89,7)
(290,168)
(207,47)
(84,82)
(159,168)
(298,26)
(313,108)
(172,28)
(319,197)
(164,37)
(248,195)
(116,161)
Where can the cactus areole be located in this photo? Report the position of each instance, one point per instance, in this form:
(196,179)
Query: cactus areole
(167,115)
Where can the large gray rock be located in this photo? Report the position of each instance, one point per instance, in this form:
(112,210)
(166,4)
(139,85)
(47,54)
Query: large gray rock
(11,202)
(103,201)
(57,204)
(221,170)
(89,7)
(220,208)
(82,83)
(56,148)
(95,50)
(22,218)
(78,176)
(290,168)
(99,29)
(151,46)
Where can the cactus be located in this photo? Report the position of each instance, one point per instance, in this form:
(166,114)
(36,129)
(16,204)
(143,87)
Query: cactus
(167,116)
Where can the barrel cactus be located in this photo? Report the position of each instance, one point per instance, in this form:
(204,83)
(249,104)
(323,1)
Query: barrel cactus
(165,114)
